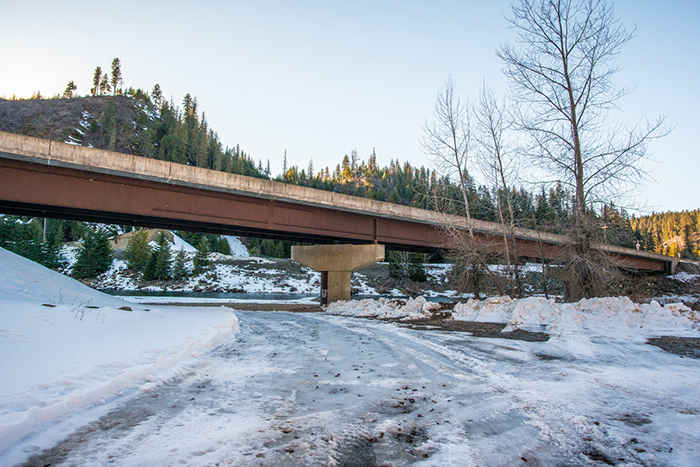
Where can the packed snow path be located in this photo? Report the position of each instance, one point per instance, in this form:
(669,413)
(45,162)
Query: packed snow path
(316,389)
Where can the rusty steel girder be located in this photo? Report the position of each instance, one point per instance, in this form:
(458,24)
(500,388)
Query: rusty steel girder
(49,191)
(45,190)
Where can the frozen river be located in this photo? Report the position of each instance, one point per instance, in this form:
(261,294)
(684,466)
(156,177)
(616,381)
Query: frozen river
(317,389)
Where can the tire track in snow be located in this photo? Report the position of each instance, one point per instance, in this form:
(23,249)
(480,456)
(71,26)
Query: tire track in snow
(300,389)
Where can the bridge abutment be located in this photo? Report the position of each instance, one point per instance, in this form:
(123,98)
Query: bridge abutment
(336,264)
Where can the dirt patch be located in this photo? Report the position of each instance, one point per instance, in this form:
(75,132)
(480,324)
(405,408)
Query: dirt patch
(684,346)
(475,329)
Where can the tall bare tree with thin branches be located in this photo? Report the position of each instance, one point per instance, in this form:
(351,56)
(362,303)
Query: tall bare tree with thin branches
(449,142)
(497,158)
(561,71)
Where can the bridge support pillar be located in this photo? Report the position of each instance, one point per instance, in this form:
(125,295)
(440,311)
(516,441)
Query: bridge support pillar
(336,263)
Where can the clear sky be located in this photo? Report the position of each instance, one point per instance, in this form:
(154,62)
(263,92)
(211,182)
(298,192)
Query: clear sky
(320,78)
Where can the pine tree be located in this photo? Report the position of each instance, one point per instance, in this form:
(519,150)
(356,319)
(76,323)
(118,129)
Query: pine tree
(201,258)
(394,196)
(416,268)
(346,168)
(51,249)
(116,76)
(180,270)
(158,265)
(157,96)
(70,88)
(10,233)
(279,250)
(137,251)
(95,256)
(30,247)
(162,266)
(104,85)
(149,272)
(223,247)
(96,81)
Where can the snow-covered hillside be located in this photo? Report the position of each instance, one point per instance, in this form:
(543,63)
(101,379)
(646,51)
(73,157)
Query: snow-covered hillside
(237,272)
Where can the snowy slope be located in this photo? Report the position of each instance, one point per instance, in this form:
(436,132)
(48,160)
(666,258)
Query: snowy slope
(180,244)
(237,248)
(65,346)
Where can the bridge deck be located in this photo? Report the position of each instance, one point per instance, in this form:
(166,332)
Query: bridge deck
(51,179)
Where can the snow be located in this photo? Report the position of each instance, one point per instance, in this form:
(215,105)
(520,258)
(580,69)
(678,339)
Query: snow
(66,347)
(685,277)
(237,248)
(229,273)
(492,310)
(180,244)
(572,327)
(414,308)
(190,386)
(149,299)
(613,318)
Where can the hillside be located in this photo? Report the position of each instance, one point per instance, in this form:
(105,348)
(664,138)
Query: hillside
(133,123)
(670,233)
(81,120)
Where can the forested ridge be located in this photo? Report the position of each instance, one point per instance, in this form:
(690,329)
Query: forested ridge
(670,233)
(139,122)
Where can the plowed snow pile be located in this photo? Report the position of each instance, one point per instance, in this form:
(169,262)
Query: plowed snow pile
(414,308)
(610,318)
(65,346)
(616,318)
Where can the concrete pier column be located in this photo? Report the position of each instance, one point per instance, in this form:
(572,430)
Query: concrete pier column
(336,263)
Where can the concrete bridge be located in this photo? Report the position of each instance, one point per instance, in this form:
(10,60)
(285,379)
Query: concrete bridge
(45,178)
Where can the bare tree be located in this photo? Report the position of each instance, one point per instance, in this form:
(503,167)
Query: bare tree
(498,164)
(561,71)
(448,142)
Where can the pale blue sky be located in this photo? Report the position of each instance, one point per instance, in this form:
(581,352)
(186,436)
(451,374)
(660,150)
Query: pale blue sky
(319,78)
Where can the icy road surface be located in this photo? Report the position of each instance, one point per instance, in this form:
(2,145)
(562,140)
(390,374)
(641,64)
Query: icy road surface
(317,389)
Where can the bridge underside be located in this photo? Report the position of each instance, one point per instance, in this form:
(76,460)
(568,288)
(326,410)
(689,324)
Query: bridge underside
(43,190)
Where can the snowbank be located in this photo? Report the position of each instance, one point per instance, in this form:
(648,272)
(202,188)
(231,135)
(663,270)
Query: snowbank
(614,318)
(610,318)
(65,346)
(414,308)
(491,310)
